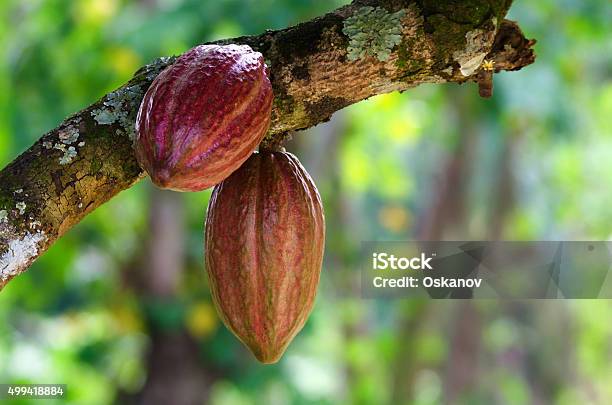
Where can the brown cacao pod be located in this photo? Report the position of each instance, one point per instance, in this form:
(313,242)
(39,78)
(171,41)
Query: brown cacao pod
(203,116)
(265,234)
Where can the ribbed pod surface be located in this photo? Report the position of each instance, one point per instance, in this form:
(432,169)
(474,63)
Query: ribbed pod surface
(203,116)
(265,234)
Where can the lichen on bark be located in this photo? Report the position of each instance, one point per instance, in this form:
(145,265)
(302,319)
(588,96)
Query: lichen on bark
(373,31)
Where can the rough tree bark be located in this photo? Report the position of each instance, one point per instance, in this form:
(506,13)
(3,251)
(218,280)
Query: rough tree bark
(366,48)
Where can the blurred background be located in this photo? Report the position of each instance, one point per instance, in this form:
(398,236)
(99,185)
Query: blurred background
(119,309)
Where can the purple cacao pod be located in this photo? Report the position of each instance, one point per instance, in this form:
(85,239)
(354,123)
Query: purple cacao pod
(203,116)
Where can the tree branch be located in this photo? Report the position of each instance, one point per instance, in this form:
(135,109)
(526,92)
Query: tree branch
(360,50)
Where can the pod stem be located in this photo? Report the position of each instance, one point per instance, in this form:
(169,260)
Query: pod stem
(274,143)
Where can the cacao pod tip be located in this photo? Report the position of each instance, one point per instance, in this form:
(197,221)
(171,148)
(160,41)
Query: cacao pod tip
(161,178)
(266,357)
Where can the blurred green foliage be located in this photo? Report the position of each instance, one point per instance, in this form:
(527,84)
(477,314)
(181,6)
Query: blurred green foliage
(533,162)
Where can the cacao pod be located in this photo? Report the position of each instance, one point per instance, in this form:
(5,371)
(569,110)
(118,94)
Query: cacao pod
(203,116)
(265,234)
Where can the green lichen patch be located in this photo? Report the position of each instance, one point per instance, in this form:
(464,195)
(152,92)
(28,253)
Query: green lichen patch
(16,253)
(373,31)
(104,116)
(21,206)
(149,72)
(121,107)
(68,135)
(69,154)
